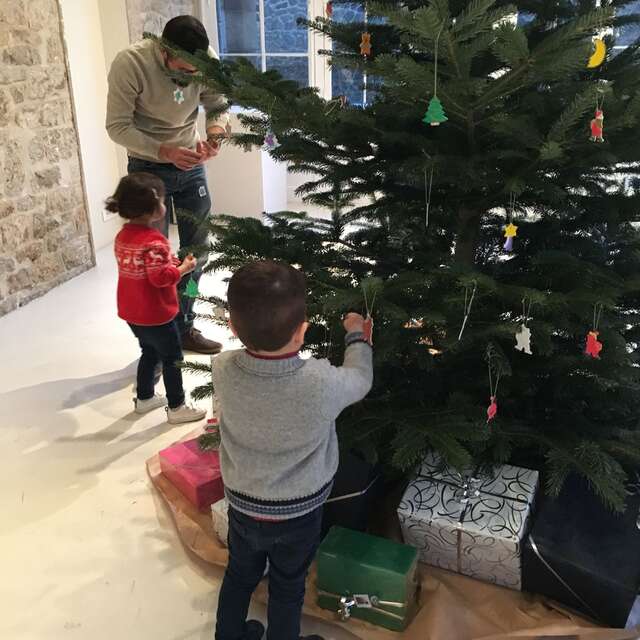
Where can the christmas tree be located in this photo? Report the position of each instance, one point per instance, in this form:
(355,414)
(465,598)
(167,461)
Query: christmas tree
(415,233)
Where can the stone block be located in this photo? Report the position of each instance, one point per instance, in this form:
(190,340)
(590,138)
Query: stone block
(7,304)
(55,53)
(10,75)
(77,253)
(14,171)
(7,208)
(17,93)
(6,108)
(19,281)
(55,114)
(7,265)
(31,251)
(26,203)
(14,232)
(27,37)
(41,13)
(21,55)
(46,178)
(13,13)
(48,267)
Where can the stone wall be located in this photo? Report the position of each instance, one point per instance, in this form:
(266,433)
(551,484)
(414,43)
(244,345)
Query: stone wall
(152,15)
(44,234)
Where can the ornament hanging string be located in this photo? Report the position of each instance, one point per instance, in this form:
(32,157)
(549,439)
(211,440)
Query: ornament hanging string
(368,308)
(435,62)
(493,391)
(597,314)
(468,302)
(526,311)
(427,194)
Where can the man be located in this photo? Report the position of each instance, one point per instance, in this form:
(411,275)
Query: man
(153,115)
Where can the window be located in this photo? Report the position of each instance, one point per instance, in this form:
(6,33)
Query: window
(628,34)
(266,32)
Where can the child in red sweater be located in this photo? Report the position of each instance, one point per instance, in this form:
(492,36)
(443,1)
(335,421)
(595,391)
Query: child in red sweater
(147,293)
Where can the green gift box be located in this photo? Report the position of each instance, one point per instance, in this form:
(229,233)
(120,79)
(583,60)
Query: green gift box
(368,578)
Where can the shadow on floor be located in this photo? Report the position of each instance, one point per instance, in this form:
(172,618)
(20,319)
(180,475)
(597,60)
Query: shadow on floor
(49,464)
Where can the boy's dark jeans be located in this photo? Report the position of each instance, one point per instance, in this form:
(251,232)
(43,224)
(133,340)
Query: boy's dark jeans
(290,546)
(160,343)
(188,191)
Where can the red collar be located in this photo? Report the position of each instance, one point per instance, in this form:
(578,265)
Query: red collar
(284,356)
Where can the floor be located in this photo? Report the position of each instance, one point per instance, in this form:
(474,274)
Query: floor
(87,549)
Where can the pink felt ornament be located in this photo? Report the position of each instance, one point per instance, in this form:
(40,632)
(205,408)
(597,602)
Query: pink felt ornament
(492,411)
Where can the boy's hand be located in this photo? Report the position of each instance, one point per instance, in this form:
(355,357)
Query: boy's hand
(353,322)
(188,264)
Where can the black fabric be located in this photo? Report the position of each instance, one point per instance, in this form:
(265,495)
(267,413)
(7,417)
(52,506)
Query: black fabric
(354,476)
(594,551)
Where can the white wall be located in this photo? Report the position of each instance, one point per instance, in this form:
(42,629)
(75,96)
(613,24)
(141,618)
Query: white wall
(83,34)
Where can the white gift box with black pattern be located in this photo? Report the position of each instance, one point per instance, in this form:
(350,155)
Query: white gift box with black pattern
(468,523)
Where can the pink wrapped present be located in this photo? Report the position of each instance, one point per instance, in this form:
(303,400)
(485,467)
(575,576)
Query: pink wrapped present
(194,472)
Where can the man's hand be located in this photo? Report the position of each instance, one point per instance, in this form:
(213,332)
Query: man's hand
(188,264)
(207,150)
(181,157)
(353,322)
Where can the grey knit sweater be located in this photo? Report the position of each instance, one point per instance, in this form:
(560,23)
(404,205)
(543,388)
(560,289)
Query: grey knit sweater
(277,426)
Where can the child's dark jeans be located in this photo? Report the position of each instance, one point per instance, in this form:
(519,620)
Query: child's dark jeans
(290,546)
(160,343)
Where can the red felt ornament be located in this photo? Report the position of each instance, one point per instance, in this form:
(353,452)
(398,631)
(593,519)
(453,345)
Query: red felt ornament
(365,44)
(492,411)
(597,127)
(329,9)
(368,329)
(594,346)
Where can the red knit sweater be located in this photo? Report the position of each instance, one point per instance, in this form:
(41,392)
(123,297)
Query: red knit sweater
(148,276)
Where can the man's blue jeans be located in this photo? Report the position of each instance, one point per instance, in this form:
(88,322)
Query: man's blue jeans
(188,192)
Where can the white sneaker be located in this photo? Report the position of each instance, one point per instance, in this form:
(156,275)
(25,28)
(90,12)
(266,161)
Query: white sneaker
(185,413)
(144,406)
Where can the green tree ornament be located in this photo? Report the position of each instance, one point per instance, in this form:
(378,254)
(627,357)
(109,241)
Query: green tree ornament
(192,289)
(435,113)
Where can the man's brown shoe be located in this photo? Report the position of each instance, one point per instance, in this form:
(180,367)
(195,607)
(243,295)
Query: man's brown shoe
(193,340)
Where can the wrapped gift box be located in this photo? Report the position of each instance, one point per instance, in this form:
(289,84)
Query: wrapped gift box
(585,556)
(354,493)
(220,515)
(369,578)
(194,472)
(472,523)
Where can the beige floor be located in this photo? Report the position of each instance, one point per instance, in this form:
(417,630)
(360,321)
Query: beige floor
(87,550)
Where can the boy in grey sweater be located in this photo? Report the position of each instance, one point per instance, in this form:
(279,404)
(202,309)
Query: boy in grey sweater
(279,449)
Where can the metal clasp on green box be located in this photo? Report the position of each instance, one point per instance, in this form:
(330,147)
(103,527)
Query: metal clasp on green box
(368,578)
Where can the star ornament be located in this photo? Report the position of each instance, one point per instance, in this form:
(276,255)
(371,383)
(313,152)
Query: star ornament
(511,230)
(178,96)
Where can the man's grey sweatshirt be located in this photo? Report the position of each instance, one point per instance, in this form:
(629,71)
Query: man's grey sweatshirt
(279,449)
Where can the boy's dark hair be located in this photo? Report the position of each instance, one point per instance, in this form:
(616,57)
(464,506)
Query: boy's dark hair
(186,32)
(267,303)
(138,194)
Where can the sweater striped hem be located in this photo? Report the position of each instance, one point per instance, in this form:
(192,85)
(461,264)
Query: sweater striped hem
(277,509)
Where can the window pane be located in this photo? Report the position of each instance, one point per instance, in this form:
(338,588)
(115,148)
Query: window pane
(525,18)
(282,32)
(255,60)
(238,26)
(347,82)
(291,67)
(628,34)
